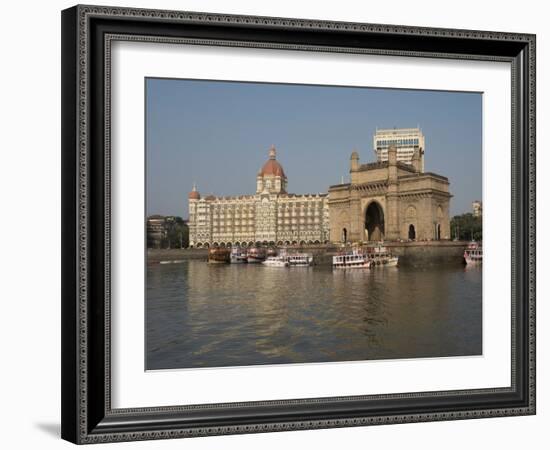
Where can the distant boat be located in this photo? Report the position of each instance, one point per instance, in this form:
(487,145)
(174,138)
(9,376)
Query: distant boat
(351,260)
(276,261)
(473,253)
(296,259)
(218,255)
(238,255)
(380,256)
(300,259)
(256,255)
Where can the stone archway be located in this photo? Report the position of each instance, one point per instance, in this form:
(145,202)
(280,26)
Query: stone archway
(374,222)
(412,232)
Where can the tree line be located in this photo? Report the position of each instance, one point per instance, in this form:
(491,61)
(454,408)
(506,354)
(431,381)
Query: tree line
(467,227)
(167,232)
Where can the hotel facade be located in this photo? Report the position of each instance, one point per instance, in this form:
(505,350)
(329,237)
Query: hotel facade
(271,216)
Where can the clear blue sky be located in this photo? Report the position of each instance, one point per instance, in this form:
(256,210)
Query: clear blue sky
(217,134)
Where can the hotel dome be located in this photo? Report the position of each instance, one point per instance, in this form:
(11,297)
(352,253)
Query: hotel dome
(272,166)
(194,194)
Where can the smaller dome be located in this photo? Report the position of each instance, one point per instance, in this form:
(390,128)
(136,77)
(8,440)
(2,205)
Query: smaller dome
(194,194)
(354,155)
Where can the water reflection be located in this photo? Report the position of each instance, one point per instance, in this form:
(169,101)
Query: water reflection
(201,315)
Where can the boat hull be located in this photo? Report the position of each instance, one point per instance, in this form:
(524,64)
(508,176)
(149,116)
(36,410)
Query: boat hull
(386,262)
(255,260)
(218,256)
(273,264)
(276,261)
(238,259)
(366,265)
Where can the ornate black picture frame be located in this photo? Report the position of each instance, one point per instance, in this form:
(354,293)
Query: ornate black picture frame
(87,33)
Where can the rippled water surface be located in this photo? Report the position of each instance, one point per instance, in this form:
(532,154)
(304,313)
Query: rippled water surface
(201,315)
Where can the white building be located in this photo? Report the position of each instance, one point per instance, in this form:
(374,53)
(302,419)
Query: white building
(477,208)
(270,216)
(406,140)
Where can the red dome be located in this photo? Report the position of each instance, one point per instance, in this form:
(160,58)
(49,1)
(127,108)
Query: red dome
(194,194)
(272,166)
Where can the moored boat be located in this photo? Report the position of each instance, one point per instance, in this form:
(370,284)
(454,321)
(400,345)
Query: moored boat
(300,259)
(473,253)
(256,255)
(238,255)
(380,256)
(218,255)
(354,259)
(276,261)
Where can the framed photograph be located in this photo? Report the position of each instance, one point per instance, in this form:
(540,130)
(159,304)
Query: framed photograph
(277,224)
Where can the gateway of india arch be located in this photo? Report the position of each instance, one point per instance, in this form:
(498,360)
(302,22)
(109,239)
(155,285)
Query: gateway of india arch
(392,198)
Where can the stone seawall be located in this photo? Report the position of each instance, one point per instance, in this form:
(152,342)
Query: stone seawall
(418,254)
(156,255)
(411,254)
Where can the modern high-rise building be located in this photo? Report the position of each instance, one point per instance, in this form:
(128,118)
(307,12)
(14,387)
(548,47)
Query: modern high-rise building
(406,140)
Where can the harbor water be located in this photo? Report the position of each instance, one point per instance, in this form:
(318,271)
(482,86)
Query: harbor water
(202,315)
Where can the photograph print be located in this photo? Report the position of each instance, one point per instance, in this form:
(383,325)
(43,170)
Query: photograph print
(295,224)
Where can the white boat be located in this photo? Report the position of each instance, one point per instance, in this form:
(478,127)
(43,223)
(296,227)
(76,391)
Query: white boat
(473,253)
(300,259)
(238,255)
(351,260)
(380,256)
(276,261)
